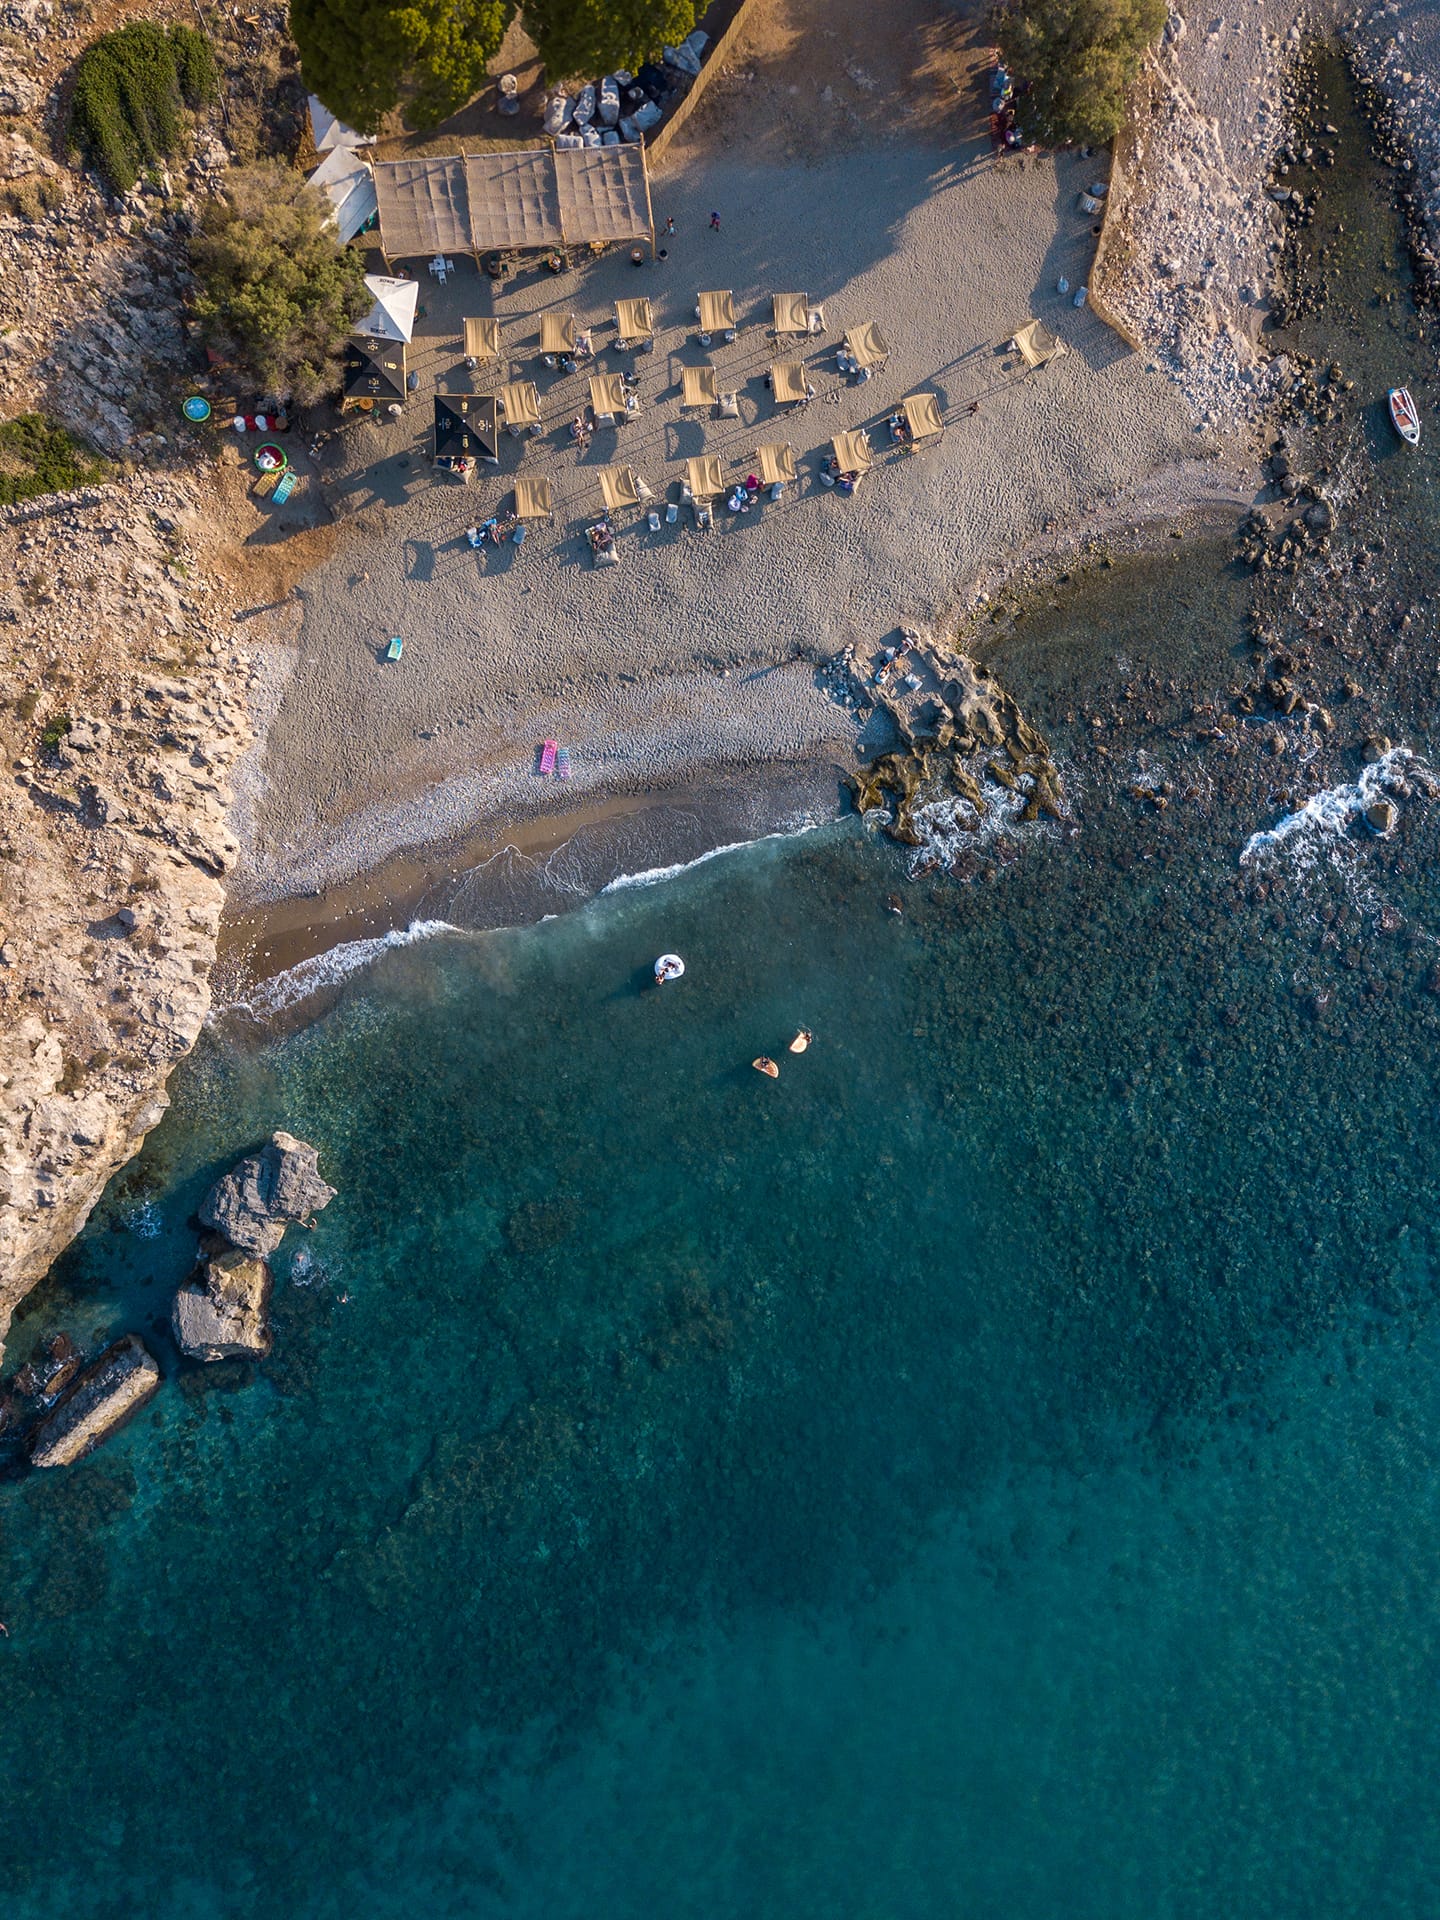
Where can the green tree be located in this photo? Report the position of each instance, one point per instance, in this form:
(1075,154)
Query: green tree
(130,86)
(365,57)
(277,290)
(592,37)
(1080,56)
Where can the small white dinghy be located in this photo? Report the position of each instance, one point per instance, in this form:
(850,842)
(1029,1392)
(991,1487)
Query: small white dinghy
(668,967)
(1404,415)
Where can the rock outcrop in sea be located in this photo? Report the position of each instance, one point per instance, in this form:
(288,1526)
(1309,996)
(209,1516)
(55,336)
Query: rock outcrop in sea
(101,1399)
(224,1312)
(263,1193)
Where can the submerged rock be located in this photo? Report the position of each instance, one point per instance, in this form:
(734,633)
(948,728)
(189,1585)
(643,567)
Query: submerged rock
(102,1399)
(258,1198)
(225,1313)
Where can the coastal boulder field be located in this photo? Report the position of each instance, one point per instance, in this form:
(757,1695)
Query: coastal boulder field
(102,1399)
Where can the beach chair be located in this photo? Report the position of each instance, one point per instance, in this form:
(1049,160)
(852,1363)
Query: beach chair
(395,648)
(652,520)
(672,514)
(518,536)
(562,763)
(548,750)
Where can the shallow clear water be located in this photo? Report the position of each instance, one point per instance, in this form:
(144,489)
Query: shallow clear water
(990,1469)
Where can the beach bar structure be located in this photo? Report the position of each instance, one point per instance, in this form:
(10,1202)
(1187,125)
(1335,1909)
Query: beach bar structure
(372,375)
(513,202)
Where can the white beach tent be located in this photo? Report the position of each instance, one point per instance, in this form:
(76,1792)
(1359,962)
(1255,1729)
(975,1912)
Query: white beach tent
(393,315)
(330,133)
(348,184)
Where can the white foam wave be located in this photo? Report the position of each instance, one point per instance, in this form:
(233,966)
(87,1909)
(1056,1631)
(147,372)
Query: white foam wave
(329,969)
(953,826)
(652,876)
(1327,817)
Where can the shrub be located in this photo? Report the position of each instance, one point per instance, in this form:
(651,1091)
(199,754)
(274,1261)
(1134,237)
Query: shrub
(56,728)
(277,290)
(32,197)
(130,86)
(37,456)
(1080,56)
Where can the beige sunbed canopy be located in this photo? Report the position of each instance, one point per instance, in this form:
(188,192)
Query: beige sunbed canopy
(520,403)
(607,393)
(557,332)
(534,498)
(699,389)
(717,312)
(852,451)
(866,345)
(706,476)
(541,198)
(777,462)
(634,319)
(792,313)
(922,412)
(482,339)
(1036,345)
(789,381)
(620,487)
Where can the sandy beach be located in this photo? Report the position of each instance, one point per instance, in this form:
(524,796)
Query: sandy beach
(695,656)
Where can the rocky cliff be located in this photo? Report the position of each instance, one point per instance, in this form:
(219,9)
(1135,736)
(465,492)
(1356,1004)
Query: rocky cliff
(124,705)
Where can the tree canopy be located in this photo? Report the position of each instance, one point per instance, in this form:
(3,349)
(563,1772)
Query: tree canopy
(592,37)
(129,88)
(277,290)
(1079,55)
(365,57)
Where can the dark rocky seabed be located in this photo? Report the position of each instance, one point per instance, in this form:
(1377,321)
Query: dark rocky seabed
(990,1469)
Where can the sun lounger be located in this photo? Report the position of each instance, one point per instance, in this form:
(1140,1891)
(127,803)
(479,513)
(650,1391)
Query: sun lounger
(672,514)
(518,536)
(652,520)
(395,648)
(548,750)
(562,763)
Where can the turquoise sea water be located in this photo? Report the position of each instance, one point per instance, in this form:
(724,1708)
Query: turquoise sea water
(989,1470)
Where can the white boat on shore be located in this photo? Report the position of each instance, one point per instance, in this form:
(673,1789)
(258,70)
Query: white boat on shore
(1404,415)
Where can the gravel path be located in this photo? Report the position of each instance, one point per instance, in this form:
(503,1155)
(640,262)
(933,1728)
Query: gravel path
(628,666)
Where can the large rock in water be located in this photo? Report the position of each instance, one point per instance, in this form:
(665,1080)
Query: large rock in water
(102,1399)
(225,1314)
(257,1200)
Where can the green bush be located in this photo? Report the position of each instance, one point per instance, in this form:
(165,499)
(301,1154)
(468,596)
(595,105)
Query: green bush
(56,728)
(130,87)
(1079,56)
(277,290)
(37,456)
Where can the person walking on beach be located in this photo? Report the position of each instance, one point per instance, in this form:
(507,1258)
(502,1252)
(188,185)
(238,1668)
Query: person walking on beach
(670,227)
(715,223)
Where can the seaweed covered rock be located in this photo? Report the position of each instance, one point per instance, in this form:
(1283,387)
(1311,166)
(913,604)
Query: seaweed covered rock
(260,1196)
(102,1399)
(224,1312)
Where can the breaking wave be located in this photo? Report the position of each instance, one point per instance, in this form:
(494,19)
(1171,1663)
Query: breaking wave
(329,969)
(1327,817)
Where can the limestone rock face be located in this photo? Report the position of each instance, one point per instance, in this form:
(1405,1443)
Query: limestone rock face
(225,1314)
(259,1197)
(102,1399)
